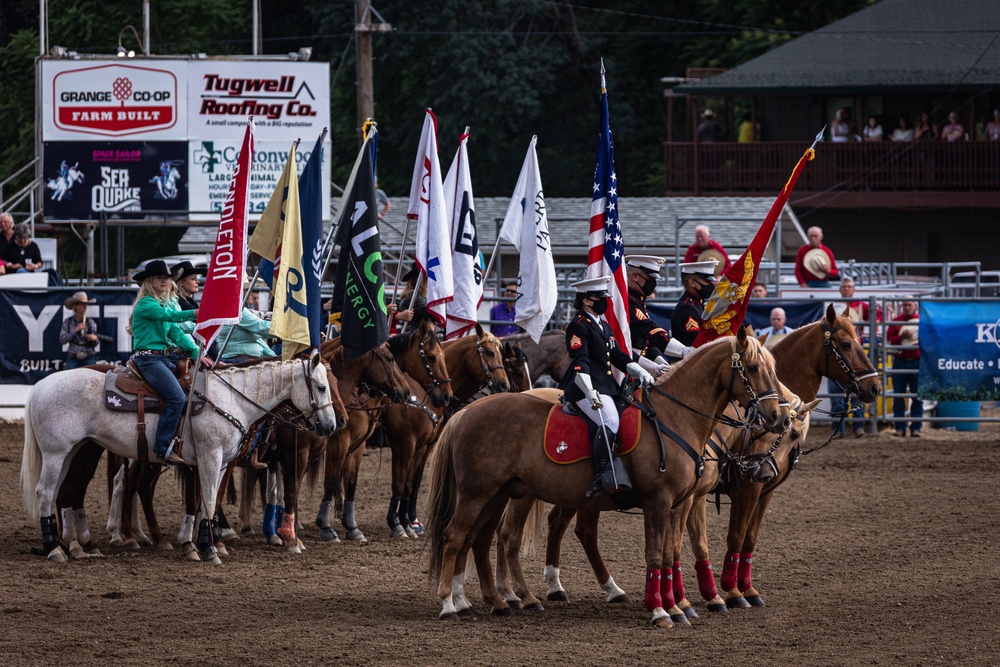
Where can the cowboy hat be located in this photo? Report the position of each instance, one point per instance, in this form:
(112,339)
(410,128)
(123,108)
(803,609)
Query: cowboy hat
(708,113)
(155,268)
(817,262)
(78,297)
(712,253)
(182,270)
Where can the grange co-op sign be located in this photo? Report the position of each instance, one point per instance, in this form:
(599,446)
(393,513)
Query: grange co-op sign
(180,113)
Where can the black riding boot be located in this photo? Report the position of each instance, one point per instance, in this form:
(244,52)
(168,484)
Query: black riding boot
(601,455)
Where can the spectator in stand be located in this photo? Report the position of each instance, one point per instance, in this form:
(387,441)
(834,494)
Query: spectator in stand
(839,129)
(709,130)
(852,125)
(778,326)
(992,130)
(906,333)
(926,129)
(759,291)
(873,130)
(954,130)
(903,131)
(506,312)
(812,269)
(23,255)
(382,202)
(858,312)
(6,231)
(703,241)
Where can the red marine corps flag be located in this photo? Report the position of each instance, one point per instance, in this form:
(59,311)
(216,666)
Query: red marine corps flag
(726,308)
(222,298)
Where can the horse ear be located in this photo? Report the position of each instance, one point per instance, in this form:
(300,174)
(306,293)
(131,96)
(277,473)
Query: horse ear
(506,349)
(423,328)
(314,359)
(763,337)
(808,406)
(479,330)
(831,314)
(741,337)
(847,311)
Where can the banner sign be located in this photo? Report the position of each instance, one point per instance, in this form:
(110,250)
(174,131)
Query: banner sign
(959,351)
(122,179)
(212,163)
(758,315)
(29,339)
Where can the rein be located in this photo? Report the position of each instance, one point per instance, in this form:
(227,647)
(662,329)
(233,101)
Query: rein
(434,382)
(853,378)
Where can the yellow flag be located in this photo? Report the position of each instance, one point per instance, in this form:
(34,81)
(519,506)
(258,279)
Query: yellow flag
(267,236)
(289,315)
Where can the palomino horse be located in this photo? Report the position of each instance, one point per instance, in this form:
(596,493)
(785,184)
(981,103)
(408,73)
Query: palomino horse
(420,356)
(830,348)
(470,490)
(66,409)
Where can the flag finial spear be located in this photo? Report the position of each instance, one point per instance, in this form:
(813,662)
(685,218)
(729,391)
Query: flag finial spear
(819,137)
(604,87)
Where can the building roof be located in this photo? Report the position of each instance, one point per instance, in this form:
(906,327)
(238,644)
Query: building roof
(916,45)
(649,224)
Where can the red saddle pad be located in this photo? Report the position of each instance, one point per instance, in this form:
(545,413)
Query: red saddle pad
(567,441)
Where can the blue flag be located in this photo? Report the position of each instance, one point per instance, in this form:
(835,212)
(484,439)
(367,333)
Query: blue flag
(311,207)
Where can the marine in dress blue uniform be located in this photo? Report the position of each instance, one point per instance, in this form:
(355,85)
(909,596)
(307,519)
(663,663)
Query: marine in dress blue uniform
(699,283)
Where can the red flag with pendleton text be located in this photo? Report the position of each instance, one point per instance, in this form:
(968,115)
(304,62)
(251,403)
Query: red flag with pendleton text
(222,298)
(727,307)
(607,249)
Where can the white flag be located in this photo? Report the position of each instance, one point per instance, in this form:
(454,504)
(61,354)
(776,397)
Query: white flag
(427,207)
(527,227)
(465,260)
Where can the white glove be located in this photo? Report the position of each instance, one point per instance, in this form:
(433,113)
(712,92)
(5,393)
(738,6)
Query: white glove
(675,348)
(584,382)
(688,350)
(662,366)
(636,371)
(656,368)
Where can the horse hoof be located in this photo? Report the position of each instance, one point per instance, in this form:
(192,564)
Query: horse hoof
(190,552)
(355,535)
(300,545)
(221,548)
(502,611)
(662,620)
(229,535)
(755,600)
(618,599)
(145,541)
(398,532)
(275,541)
(246,531)
(678,617)
(690,612)
(117,541)
(557,596)
(737,602)
(329,535)
(535,606)
(293,548)
(410,532)
(75,550)
(450,616)
(514,602)
(57,555)
(467,612)
(131,544)
(210,555)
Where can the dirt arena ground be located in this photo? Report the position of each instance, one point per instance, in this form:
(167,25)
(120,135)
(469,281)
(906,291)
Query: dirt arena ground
(875,553)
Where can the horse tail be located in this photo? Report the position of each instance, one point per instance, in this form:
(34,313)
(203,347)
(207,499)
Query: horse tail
(247,485)
(31,465)
(313,468)
(443,494)
(533,527)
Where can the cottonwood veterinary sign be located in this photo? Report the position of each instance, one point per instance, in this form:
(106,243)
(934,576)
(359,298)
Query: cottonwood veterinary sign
(199,106)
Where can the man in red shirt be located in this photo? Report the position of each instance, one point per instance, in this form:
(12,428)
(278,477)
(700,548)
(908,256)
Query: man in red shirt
(703,241)
(906,333)
(810,275)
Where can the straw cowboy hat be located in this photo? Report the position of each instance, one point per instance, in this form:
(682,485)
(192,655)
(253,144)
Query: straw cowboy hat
(817,262)
(708,113)
(710,254)
(78,297)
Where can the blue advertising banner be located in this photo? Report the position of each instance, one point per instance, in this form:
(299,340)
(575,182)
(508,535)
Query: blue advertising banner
(29,338)
(959,351)
(799,313)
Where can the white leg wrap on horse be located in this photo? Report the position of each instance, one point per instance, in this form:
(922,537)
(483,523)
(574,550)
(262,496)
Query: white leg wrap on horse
(82,529)
(611,588)
(323,516)
(186,533)
(348,515)
(551,577)
(68,525)
(458,592)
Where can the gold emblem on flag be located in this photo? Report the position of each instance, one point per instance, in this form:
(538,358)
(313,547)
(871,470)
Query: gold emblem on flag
(718,314)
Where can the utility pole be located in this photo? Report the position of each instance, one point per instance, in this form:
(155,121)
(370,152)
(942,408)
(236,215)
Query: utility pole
(363,29)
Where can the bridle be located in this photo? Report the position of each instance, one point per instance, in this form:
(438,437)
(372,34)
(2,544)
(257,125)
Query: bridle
(490,383)
(854,379)
(434,381)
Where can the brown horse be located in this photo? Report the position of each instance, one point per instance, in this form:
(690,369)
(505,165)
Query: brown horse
(546,357)
(828,348)
(471,490)
(515,364)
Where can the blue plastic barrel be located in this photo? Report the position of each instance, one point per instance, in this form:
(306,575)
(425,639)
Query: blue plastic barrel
(958,409)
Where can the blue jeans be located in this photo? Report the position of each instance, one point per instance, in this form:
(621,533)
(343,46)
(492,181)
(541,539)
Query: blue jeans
(158,371)
(818,283)
(73,362)
(906,384)
(838,404)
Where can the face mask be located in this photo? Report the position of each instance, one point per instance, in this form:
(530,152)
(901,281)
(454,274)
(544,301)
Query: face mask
(600,306)
(649,287)
(706,291)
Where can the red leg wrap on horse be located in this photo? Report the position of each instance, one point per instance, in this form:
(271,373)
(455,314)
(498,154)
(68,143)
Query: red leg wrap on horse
(287,530)
(652,598)
(667,587)
(729,571)
(745,579)
(706,579)
(678,582)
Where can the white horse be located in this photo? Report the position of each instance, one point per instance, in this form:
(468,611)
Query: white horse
(65,409)
(63,184)
(166,187)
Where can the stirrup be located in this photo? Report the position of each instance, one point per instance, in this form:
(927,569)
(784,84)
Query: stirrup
(253,463)
(171,458)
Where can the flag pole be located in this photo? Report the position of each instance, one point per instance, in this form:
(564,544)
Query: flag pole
(413,298)
(493,256)
(246,299)
(399,265)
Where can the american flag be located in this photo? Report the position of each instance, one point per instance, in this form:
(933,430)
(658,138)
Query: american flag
(604,258)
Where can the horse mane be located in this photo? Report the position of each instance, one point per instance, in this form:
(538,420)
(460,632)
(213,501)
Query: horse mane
(755,350)
(400,343)
(518,337)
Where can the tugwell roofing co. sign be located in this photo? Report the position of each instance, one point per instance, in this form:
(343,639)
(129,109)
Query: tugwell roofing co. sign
(87,106)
